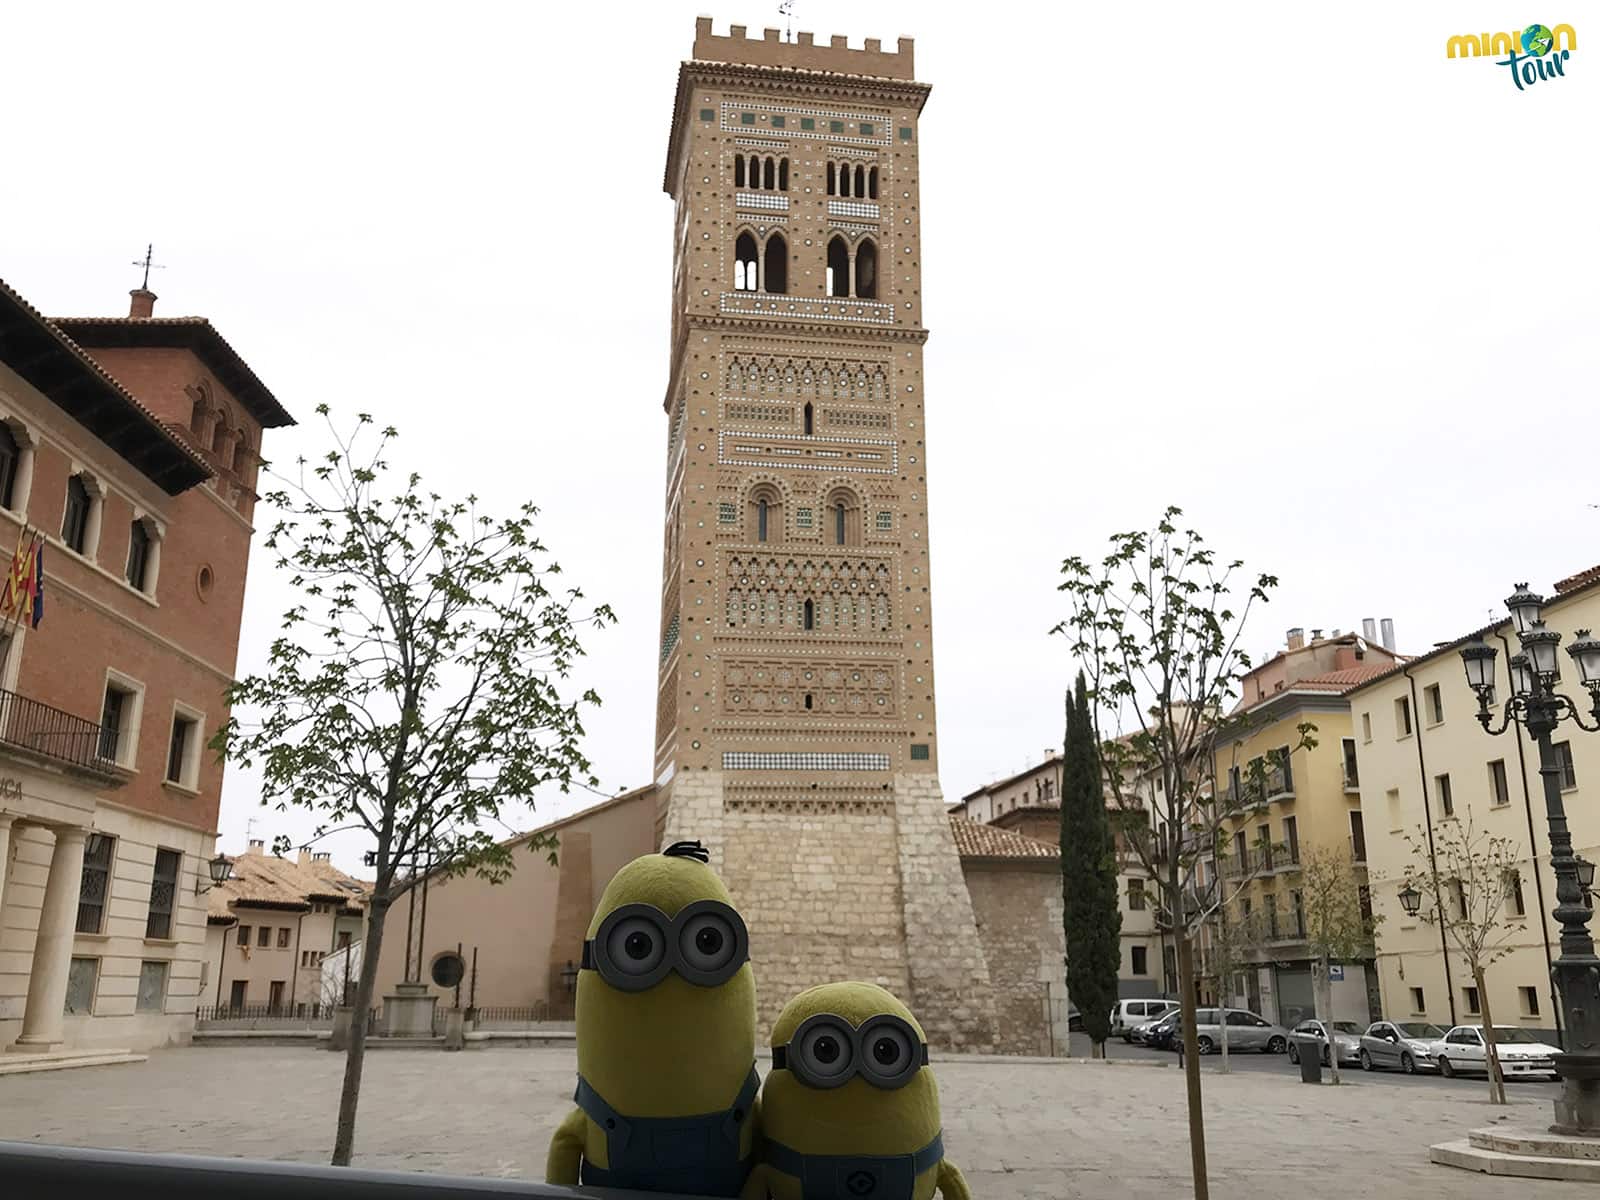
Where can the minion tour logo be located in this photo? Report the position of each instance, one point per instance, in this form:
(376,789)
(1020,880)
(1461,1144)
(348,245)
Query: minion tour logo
(1543,55)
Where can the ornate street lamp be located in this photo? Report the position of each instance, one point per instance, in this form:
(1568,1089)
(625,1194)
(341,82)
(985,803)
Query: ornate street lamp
(221,870)
(1410,899)
(1539,708)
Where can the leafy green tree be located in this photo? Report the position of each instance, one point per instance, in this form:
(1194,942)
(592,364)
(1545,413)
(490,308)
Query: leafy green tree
(1338,930)
(416,688)
(1090,912)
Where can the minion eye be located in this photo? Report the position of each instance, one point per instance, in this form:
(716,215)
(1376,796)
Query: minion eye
(888,1051)
(708,942)
(826,1053)
(635,946)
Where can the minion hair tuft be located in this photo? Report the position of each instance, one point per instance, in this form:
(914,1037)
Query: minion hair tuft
(692,850)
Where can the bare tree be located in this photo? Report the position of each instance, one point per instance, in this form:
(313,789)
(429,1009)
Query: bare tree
(1464,884)
(1338,926)
(1155,628)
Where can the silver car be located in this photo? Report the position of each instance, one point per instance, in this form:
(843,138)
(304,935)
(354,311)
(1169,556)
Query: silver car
(1520,1053)
(1404,1044)
(1246,1031)
(1346,1038)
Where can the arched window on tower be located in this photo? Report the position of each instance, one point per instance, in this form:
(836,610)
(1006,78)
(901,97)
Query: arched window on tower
(762,514)
(861,180)
(810,615)
(764,510)
(833,183)
(783,174)
(755,172)
(738,170)
(844,179)
(838,523)
(808,419)
(867,269)
(872,183)
(842,509)
(838,267)
(744,263)
(776,278)
(769,179)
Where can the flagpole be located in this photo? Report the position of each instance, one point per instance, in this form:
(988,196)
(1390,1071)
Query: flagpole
(14,619)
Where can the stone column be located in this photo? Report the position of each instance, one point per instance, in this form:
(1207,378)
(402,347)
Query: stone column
(42,1025)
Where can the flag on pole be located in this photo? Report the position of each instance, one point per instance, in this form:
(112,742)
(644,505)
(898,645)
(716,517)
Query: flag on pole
(19,578)
(38,583)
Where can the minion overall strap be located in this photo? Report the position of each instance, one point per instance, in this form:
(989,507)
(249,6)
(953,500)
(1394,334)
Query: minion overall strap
(692,1155)
(870,1176)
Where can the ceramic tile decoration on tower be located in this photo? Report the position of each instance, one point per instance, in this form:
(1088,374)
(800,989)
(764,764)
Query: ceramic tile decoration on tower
(795,721)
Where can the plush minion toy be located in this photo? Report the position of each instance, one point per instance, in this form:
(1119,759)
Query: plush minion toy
(850,1110)
(666,1023)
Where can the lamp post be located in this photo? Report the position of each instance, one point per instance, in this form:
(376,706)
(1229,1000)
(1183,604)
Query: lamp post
(1410,899)
(1535,704)
(221,870)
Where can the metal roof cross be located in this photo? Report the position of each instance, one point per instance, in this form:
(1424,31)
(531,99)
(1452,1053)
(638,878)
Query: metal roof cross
(148,265)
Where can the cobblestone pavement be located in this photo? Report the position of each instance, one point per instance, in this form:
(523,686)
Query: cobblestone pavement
(1019,1129)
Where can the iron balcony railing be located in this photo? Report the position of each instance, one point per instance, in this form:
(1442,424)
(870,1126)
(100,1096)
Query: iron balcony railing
(32,725)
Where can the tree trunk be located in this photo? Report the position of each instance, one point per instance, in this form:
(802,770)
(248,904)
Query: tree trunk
(1325,1015)
(1191,1065)
(1497,1081)
(345,1136)
(1097,1049)
(1222,1020)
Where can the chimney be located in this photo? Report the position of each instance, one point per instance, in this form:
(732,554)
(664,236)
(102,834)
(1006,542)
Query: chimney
(1297,638)
(1369,629)
(1316,635)
(321,856)
(304,856)
(1049,753)
(257,845)
(143,305)
(1388,633)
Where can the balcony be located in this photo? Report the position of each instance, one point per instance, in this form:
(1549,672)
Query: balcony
(57,738)
(1263,858)
(1277,784)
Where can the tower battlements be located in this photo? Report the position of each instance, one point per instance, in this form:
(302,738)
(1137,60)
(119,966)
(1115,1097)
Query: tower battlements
(770,50)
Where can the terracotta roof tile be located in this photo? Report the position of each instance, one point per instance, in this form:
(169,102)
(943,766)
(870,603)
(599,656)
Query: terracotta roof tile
(989,841)
(266,879)
(1573,582)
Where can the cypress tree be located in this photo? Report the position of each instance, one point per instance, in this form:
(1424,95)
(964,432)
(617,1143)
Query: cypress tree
(1092,920)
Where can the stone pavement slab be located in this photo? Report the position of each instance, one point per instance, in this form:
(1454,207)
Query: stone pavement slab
(1018,1130)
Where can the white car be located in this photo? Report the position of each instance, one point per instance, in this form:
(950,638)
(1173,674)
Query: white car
(1461,1051)
(1128,1015)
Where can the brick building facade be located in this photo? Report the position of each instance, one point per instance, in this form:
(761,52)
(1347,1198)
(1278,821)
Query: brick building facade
(129,446)
(796,721)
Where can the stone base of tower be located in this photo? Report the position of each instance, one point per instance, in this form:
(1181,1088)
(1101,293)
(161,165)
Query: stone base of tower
(867,888)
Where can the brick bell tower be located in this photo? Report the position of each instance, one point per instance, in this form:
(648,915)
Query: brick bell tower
(795,732)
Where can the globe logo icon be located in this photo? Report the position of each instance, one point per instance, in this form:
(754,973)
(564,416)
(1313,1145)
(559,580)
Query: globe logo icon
(1537,40)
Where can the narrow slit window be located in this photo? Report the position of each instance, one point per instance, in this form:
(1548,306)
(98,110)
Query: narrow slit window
(808,418)
(738,170)
(761,520)
(838,523)
(810,614)
(832,184)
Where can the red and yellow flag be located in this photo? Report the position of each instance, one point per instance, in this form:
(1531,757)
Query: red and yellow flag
(17,589)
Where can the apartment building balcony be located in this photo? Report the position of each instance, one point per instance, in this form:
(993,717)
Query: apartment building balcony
(50,737)
(1263,858)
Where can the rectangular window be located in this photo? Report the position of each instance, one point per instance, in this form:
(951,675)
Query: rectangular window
(1417,1003)
(1141,962)
(75,517)
(1441,793)
(1358,837)
(885,522)
(777,122)
(1136,896)
(727,512)
(1435,703)
(905,133)
(802,518)
(747,118)
(94,884)
(244,935)
(808,123)
(708,114)
(1458,893)
(919,752)
(1402,717)
(184,740)
(1291,835)
(163,887)
(1366,727)
(114,712)
(81,975)
(1569,774)
(264,936)
(138,555)
(152,995)
(1470,996)
(1530,1001)
(1352,769)
(835,126)
(275,995)
(1519,906)
(237,992)
(283,937)
(1499,792)
(866,129)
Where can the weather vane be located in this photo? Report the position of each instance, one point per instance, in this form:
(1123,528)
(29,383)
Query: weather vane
(148,264)
(787,9)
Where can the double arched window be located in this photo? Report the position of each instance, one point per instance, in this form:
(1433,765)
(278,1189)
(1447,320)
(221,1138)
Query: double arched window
(853,179)
(857,276)
(761,174)
(842,517)
(761,268)
(764,514)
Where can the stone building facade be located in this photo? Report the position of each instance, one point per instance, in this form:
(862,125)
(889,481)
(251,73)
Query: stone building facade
(130,446)
(796,727)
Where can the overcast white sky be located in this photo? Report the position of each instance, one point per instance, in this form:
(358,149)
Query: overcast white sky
(1284,265)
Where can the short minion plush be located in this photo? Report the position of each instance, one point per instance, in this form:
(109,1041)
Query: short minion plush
(850,1110)
(666,1025)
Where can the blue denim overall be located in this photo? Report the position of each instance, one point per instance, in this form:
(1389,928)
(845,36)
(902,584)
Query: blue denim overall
(693,1156)
(854,1176)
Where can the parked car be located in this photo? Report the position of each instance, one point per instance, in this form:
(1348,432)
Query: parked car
(1462,1051)
(1129,1014)
(1161,1033)
(1346,1039)
(1074,1021)
(1246,1031)
(1404,1044)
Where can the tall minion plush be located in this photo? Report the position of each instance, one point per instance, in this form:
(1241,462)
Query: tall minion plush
(850,1110)
(666,1023)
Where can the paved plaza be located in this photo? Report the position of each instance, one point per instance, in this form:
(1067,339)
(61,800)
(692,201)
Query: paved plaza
(1019,1129)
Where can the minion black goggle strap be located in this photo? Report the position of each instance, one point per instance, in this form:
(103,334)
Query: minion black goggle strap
(638,945)
(827,1051)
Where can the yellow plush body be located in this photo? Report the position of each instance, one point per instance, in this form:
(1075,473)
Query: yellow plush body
(674,1050)
(856,1118)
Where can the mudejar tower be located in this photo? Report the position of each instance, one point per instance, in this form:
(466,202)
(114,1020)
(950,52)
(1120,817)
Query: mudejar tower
(795,732)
